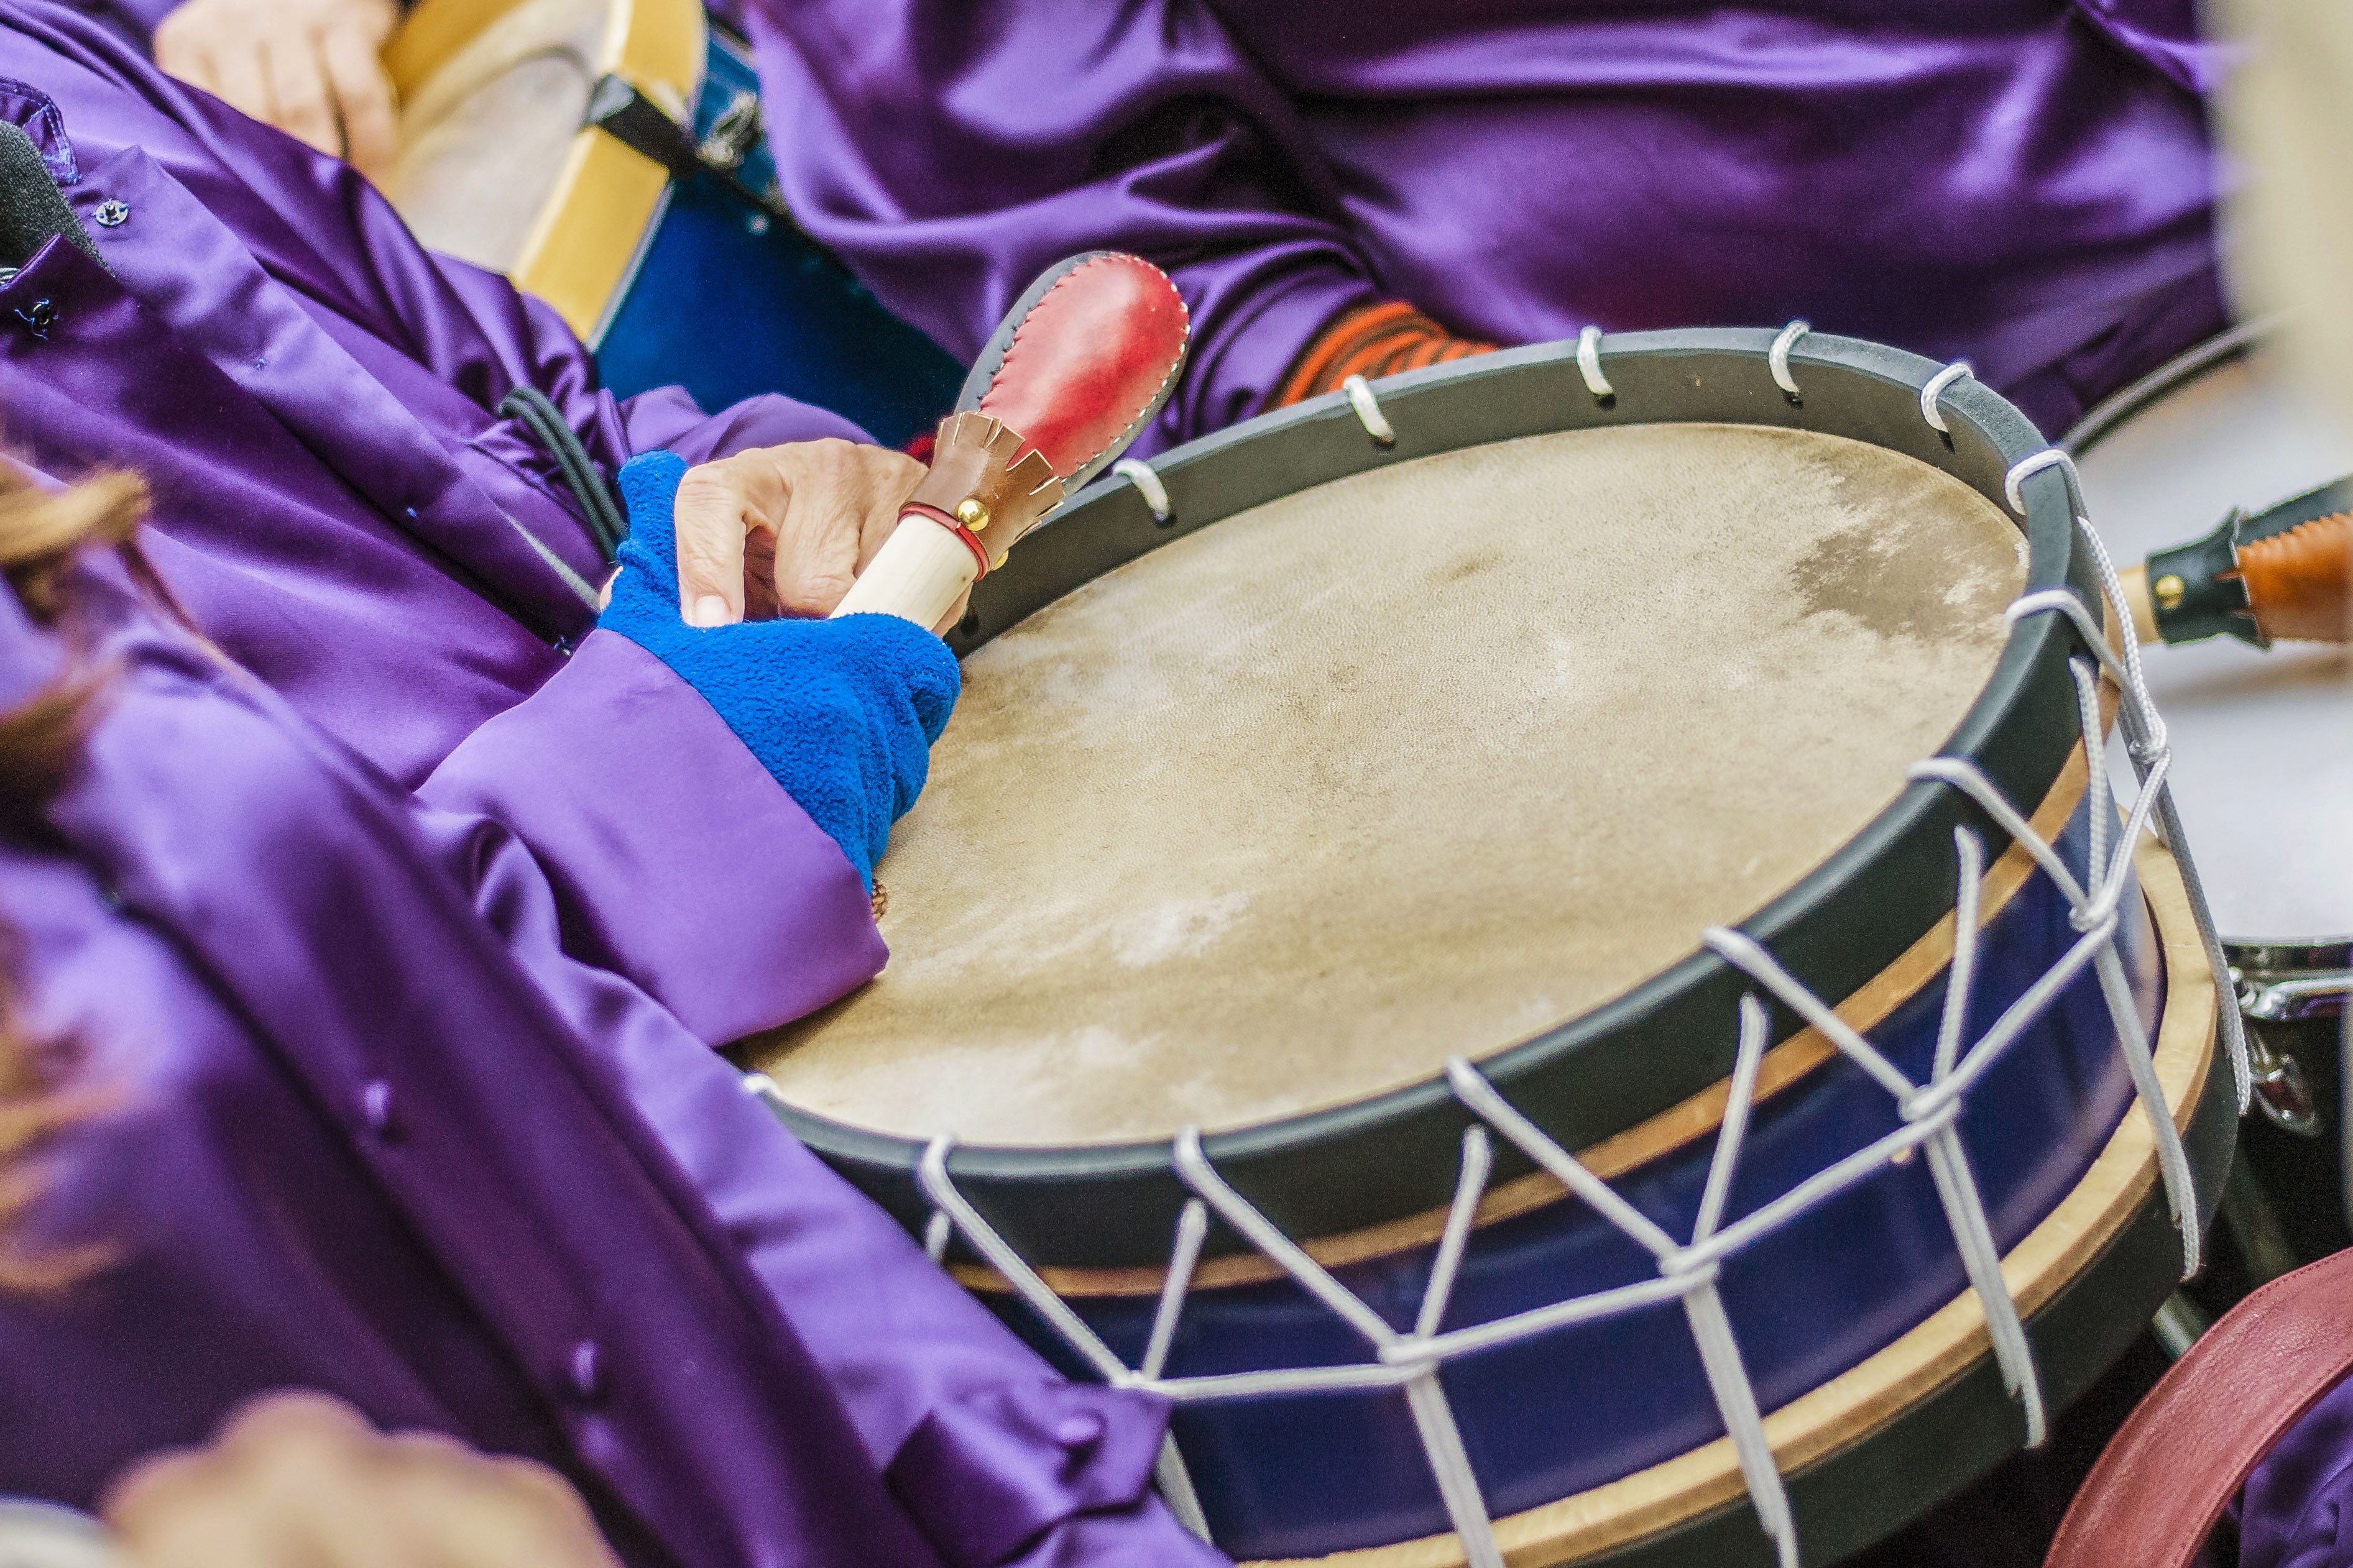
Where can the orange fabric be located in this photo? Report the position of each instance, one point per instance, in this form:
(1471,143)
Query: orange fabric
(1371,341)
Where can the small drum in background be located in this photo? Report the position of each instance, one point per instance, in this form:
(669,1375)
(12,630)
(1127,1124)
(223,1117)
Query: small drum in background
(2261,741)
(670,254)
(1538,947)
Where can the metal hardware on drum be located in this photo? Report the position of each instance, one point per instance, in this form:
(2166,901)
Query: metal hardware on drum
(2179,1325)
(2276,996)
(732,136)
(2290,993)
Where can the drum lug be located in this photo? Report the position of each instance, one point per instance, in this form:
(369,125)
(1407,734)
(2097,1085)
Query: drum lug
(2280,1089)
(732,135)
(2279,996)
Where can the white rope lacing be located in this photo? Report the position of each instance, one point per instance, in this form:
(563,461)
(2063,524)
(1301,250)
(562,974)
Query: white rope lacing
(1777,358)
(1686,1272)
(1588,364)
(1146,480)
(1368,411)
(2146,741)
(1935,389)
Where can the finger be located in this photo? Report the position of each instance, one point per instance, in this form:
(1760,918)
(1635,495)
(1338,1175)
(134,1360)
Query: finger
(894,477)
(709,520)
(148,1490)
(845,495)
(462,1509)
(295,1415)
(241,78)
(298,86)
(363,98)
(816,546)
(180,49)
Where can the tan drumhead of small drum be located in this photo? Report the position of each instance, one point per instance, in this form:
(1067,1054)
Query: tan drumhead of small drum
(482,142)
(1420,763)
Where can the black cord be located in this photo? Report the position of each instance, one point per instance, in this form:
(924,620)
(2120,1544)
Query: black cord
(547,425)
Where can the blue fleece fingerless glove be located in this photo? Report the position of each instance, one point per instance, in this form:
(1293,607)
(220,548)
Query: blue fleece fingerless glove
(841,713)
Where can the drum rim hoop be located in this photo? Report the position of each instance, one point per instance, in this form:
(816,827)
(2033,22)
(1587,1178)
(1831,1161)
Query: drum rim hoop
(2019,729)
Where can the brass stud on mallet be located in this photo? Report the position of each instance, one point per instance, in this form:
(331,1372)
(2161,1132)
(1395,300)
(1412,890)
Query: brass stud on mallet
(972,513)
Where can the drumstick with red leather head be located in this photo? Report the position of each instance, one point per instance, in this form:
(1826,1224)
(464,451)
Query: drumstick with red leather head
(1082,361)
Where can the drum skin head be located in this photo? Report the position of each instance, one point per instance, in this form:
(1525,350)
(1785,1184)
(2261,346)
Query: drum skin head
(482,143)
(1420,763)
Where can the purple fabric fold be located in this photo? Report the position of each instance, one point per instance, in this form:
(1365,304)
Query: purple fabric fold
(988,1474)
(2297,1510)
(1931,175)
(594,772)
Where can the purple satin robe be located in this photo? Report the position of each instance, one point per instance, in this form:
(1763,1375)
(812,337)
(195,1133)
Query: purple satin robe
(2026,183)
(2297,1510)
(400,951)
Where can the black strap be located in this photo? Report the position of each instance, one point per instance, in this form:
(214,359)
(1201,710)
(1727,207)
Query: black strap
(617,109)
(547,425)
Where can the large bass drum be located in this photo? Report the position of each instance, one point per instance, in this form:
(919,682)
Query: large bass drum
(2262,754)
(1537,947)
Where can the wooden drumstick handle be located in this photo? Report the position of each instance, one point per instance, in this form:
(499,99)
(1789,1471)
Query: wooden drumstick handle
(918,575)
(1081,363)
(2133,581)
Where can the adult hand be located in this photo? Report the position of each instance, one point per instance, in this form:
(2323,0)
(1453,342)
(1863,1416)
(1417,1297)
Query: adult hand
(300,1480)
(785,530)
(308,66)
(841,713)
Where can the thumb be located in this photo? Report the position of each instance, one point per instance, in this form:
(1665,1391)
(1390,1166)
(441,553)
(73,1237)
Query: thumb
(650,554)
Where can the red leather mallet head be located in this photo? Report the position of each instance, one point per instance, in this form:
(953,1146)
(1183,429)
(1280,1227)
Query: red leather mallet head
(1081,363)
(1085,357)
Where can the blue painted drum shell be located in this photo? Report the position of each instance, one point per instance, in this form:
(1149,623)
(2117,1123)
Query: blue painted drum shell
(729,302)
(1300,1474)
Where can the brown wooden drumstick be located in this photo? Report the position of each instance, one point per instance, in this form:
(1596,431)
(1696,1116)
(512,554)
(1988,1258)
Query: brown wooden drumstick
(2297,586)
(2297,581)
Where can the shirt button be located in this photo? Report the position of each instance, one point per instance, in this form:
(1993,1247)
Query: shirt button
(587,1374)
(113,214)
(1079,1429)
(375,1109)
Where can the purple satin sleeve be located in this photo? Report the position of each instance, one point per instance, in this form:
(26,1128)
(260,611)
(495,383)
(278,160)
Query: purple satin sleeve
(2165,33)
(642,810)
(1020,134)
(2023,183)
(362,1124)
(2297,1510)
(993,1457)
